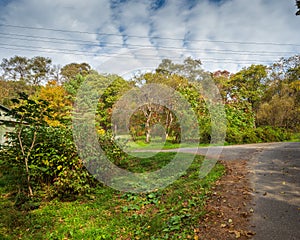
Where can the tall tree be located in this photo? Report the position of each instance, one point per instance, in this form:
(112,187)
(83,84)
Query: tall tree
(40,70)
(280,106)
(10,89)
(70,71)
(248,84)
(16,68)
(32,71)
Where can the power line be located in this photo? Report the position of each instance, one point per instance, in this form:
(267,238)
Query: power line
(115,45)
(125,56)
(108,47)
(147,37)
(158,58)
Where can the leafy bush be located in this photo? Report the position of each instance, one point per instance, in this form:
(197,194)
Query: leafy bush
(255,135)
(272,134)
(53,163)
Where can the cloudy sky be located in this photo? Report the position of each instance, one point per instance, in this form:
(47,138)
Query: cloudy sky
(127,35)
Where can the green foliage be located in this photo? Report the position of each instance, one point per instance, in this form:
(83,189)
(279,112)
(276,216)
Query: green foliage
(112,150)
(42,160)
(171,213)
(71,71)
(73,85)
(117,86)
(240,120)
(248,84)
(272,134)
(55,168)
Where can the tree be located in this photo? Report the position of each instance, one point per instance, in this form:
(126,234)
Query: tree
(248,85)
(222,80)
(279,112)
(70,71)
(30,116)
(40,70)
(10,89)
(111,94)
(16,68)
(38,156)
(298,6)
(153,113)
(280,106)
(32,71)
(58,101)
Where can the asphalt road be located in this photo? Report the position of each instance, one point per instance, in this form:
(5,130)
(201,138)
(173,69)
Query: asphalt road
(275,178)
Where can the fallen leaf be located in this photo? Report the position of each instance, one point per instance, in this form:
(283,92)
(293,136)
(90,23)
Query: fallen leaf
(237,233)
(223,225)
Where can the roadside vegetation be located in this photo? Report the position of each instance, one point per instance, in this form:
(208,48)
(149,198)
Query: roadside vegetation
(172,213)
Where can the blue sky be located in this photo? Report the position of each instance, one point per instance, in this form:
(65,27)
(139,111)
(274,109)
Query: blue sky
(126,35)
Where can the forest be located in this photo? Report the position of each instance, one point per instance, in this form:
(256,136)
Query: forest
(261,102)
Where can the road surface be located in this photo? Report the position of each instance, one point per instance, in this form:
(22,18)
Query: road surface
(275,178)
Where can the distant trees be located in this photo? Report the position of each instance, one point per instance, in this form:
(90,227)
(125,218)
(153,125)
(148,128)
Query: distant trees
(38,70)
(22,74)
(280,105)
(32,71)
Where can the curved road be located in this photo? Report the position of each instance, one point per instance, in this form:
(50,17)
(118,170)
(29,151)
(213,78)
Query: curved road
(275,178)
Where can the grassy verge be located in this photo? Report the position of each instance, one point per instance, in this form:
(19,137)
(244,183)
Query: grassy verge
(295,137)
(153,145)
(171,213)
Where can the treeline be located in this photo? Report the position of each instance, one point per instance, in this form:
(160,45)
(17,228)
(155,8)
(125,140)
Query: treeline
(257,96)
(262,103)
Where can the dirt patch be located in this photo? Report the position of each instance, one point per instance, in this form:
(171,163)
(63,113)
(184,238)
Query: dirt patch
(229,206)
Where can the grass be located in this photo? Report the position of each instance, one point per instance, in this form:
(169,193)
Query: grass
(170,213)
(295,137)
(157,143)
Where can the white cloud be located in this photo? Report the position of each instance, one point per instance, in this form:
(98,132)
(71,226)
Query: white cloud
(171,31)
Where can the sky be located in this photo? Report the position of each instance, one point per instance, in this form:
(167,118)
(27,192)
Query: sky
(124,36)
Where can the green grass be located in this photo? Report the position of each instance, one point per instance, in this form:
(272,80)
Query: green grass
(295,137)
(171,213)
(157,144)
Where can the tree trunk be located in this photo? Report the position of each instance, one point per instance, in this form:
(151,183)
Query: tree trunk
(148,115)
(28,178)
(148,136)
(148,129)
(169,121)
(27,158)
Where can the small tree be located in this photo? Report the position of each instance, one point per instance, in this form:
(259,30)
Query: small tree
(30,116)
(41,157)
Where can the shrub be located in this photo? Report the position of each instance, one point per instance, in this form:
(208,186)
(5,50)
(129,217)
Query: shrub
(53,163)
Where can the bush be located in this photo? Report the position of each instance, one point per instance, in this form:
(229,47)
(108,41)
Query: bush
(250,136)
(234,135)
(256,135)
(272,134)
(53,163)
